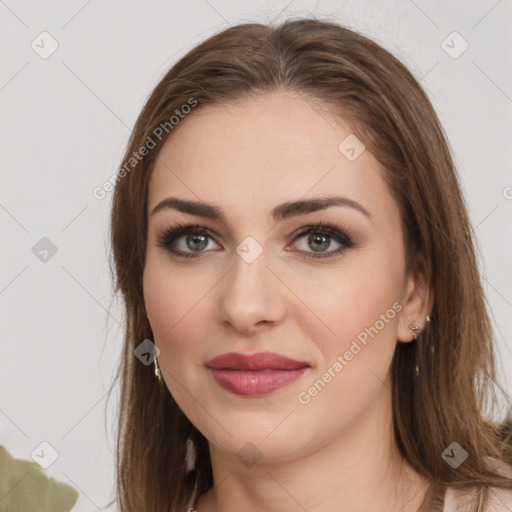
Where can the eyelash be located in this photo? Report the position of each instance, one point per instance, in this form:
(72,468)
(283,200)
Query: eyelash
(347,240)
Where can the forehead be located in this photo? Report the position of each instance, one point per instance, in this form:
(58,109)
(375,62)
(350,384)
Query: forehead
(252,154)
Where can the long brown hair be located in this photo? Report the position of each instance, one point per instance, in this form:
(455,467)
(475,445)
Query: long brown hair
(444,382)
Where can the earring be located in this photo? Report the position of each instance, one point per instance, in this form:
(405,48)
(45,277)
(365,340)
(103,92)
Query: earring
(191,455)
(158,375)
(415,329)
(428,319)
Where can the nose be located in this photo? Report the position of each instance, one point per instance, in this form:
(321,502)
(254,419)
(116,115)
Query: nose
(251,297)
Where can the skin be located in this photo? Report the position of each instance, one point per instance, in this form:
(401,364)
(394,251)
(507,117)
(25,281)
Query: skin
(336,452)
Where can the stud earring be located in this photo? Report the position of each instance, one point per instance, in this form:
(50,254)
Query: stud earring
(415,329)
(428,319)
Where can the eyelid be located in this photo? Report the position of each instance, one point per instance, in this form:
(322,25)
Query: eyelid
(330,228)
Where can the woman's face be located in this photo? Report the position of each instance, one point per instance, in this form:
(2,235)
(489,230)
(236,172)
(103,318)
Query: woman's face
(251,278)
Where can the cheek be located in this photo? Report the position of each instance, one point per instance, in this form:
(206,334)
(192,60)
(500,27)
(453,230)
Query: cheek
(176,301)
(345,302)
(363,311)
(356,338)
(172,296)
(173,304)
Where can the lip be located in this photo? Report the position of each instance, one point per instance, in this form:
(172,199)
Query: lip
(255,374)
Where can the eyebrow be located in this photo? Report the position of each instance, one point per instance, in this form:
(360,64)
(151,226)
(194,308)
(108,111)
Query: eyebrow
(279,213)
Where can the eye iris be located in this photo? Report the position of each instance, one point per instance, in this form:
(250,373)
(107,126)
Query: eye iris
(199,240)
(319,239)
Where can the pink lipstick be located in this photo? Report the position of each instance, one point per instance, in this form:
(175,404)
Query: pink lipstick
(256,374)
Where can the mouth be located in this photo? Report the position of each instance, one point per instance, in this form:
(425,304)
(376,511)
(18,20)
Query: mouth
(257,374)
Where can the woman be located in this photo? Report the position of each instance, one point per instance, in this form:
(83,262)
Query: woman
(288,229)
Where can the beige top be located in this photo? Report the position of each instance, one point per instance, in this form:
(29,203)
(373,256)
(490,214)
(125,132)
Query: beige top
(499,500)
(448,499)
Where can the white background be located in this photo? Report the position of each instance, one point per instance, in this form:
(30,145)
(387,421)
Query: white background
(65,121)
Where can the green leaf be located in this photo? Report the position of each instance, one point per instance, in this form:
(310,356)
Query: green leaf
(24,487)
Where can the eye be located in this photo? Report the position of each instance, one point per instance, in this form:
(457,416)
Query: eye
(185,240)
(319,237)
(190,241)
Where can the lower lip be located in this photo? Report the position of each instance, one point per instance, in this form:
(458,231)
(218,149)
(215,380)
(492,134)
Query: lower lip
(255,383)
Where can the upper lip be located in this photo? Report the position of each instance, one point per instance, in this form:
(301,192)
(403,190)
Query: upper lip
(258,361)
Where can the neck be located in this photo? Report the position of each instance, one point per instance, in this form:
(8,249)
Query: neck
(361,470)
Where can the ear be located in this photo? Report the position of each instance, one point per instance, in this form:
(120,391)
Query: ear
(416,303)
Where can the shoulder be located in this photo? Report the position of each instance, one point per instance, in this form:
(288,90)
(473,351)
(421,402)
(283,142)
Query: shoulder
(498,500)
